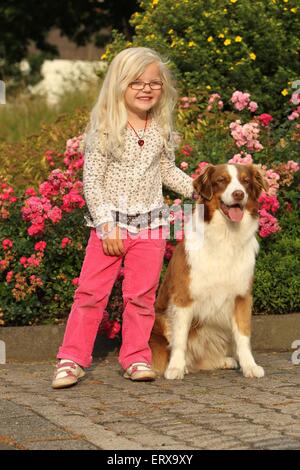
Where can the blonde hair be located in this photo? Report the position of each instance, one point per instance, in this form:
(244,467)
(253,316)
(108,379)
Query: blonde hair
(108,118)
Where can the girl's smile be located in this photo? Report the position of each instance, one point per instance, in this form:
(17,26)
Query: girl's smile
(139,102)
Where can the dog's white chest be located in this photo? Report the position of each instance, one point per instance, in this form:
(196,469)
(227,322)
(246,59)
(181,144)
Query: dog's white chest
(222,268)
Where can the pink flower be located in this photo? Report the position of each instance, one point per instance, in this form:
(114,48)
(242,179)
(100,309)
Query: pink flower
(72,200)
(214,97)
(268,224)
(114,329)
(265,119)
(23,261)
(187,150)
(293,116)
(75,281)
(246,135)
(292,166)
(33,261)
(36,229)
(46,189)
(252,106)
(242,158)
(272,179)
(55,214)
(4,264)
(184,102)
(36,281)
(7,244)
(177,202)
(30,192)
(184,165)
(199,170)
(40,246)
(9,276)
(240,100)
(66,241)
(295,98)
(269,203)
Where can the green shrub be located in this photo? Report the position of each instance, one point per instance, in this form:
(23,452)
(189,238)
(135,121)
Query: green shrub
(277,273)
(223,45)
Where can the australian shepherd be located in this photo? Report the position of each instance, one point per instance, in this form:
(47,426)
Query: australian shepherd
(203,308)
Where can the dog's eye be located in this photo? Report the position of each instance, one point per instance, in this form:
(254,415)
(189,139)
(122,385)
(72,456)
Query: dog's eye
(220,179)
(246,179)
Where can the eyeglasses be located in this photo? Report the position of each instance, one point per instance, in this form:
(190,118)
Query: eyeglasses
(154,85)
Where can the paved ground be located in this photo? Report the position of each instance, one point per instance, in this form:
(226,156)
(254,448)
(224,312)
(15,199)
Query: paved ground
(208,410)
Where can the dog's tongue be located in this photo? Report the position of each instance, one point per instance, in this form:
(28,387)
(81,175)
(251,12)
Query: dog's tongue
(235,214)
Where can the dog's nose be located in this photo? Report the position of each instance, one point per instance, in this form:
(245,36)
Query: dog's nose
(238,195)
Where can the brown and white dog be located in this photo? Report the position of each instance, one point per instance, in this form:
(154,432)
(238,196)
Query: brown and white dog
(203,308)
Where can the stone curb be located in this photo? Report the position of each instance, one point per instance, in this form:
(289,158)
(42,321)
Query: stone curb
(40,343)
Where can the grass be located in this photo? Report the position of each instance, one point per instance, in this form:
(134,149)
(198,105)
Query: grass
(25,115)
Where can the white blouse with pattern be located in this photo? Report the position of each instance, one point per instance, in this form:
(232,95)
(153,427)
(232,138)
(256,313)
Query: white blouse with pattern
(133,184)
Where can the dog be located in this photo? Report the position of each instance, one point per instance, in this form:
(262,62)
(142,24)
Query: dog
(203,308)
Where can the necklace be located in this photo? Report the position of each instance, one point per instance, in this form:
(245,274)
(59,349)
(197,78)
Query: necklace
(141,140)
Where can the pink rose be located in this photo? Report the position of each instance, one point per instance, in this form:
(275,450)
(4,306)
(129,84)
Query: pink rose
(30,192)
(184,165)
(9,276)
(36,229)
(66,241)
(7,244)
(40,246)
(55,214)
(265,119)
(252,106)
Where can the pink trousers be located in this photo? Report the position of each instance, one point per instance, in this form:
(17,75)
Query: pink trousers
(143,260)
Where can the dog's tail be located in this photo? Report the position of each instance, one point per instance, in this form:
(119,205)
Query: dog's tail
(159,345)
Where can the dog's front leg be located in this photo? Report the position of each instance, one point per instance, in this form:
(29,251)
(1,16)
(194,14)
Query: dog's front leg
(241,325)
(181,322)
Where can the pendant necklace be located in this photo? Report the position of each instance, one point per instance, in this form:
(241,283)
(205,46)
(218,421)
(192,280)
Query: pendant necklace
(141,140)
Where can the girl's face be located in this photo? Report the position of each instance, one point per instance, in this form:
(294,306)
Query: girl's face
(139,102)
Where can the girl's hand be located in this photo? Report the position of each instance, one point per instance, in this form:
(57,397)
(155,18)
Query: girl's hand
(112,242)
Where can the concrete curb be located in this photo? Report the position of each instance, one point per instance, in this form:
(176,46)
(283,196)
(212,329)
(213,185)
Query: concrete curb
(40,343)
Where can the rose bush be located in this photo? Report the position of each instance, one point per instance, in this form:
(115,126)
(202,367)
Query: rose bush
(43,234)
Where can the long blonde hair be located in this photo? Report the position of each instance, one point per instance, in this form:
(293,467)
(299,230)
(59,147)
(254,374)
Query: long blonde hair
(108,118)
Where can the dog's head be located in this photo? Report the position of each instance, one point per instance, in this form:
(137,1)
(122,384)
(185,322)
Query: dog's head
(231,189)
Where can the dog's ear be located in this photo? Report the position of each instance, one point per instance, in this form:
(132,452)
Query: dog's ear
(203,184)
(259,182)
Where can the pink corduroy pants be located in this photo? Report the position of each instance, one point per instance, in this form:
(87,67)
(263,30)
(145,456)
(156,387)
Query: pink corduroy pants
(143,260)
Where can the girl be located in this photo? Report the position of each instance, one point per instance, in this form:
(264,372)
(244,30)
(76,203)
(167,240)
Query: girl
(128,156)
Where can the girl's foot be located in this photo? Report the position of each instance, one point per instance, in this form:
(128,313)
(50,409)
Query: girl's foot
(140,372)
(67,374)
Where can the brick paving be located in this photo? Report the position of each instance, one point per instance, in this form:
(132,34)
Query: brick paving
(208,410)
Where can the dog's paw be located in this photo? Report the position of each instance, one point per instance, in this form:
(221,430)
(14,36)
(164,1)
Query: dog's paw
(174,373)
(230,363)
(253,371)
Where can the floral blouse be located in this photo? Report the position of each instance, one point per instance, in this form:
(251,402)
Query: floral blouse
(126,190)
